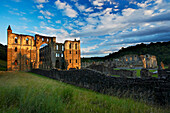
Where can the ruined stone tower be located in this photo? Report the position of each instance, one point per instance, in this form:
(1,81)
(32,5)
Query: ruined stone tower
(72,54)
(23,53)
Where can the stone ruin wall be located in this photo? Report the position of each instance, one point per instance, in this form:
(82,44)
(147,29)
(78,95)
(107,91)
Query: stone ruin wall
(65,56)
(72,54)
(23,52)
(154,90)
(127,61)
(111,71)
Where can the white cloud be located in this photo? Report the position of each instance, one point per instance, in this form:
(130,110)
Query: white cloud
(40,17)
(89,9)
(87,49)
(146,24)
(40,6)
(91,20)
(47,14)
(110,24)
(16,0)
(116,9)
(67,9)
(60,5)
(80,7)
(23,18)
(70,12)
(99,7)
(58,21)
(98,3)
(116,6)
(148,12)
(162,10)
(127,12)
(158,1)
(41,1)
(134,29)
(68,27)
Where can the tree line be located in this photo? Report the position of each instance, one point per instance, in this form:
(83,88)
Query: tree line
(3,52)
(160,49)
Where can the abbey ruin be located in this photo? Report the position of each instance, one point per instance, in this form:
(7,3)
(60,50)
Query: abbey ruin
(128,61)
(24,53)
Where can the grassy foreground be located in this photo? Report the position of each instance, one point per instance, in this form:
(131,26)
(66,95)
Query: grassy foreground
(22,92)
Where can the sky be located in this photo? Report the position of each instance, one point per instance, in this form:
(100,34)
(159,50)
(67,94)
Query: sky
(102,26)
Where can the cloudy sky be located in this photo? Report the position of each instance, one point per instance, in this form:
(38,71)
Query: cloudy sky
(103,26)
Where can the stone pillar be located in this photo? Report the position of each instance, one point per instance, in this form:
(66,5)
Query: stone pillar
(144,73)
(37,58)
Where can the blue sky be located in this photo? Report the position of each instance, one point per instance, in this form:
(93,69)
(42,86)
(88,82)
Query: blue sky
(103,26)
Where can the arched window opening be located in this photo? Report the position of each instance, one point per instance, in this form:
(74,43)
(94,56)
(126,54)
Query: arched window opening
(56,47)
(70,52)
(62,47)
(26,62)
(76,60)
(15,49)
(76,52)
(27,41)
(16,62)
(16,40)
(70,60)
(75,46)
(61,55)
(70,46)
(43,39)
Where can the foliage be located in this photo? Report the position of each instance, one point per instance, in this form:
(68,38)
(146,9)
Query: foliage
(160,49)
(3,52)
(22,92)
(3,65)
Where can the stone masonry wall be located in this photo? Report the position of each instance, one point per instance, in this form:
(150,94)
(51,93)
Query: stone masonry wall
(111,71)
(154,90)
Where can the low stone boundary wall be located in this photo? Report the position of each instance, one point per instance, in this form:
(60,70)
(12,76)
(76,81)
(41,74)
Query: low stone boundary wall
(111,71)
(154,90)
(164,73)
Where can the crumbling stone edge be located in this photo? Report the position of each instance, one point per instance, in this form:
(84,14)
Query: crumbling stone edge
(152,90)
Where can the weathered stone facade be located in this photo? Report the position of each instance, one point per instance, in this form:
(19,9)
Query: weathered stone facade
(110,71)
(64,56)
(72,54)
(128,61)
(23,52)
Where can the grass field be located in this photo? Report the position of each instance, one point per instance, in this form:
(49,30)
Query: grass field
(138,72)
(22,92)
(3,65)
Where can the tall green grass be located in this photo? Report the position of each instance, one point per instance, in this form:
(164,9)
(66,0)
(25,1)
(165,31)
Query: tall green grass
(30,93)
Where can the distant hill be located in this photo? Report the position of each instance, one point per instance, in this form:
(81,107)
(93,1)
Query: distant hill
(160,49)
(3,52)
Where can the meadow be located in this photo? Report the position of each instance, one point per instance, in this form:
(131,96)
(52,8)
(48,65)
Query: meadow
(22,92)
